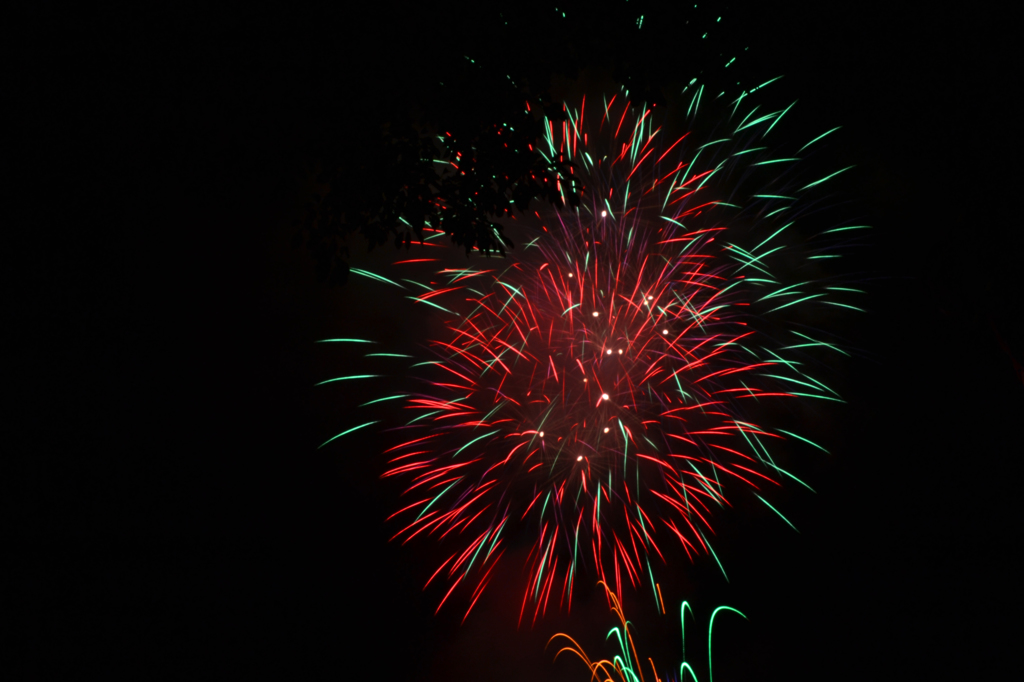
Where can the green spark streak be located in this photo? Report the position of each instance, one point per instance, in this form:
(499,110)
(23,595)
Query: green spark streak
(390,397)
(387,355)
(809,442)
(691,167)
(817,138)
(818,383)
(753,90)
(354,376)
(515,292)
(735,103)
(625,447)
(424,416)
(708,144)
(430,303)
(572,121)
(682,622)
(843,229)
(551,142)
(496,360)
(722,291)
(671,189)
(343,433)
(684,394)
(418,284)
(345,341)
(799,300)
(820,397)
(767,459)
(774,234)
(575,551)
(543,562)
(711,624)
(561,447)
(780,292)
(715,556)
(815,342)
(710,175)
(777,512)
(475,554)
(754,261)
(701,482)
(765,163)
(748,151)
(494,538)
(766,117)
(777,119)
(654,589)
(473,441)
(424,510)
(827,177)
(802,383)
(488,415)
(752,395)
(695,102)
(783,471)
(746,118)
(843,305)
(456,273)
(544,507)
(375,276)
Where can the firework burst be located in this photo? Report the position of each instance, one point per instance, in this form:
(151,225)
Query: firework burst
(600,387)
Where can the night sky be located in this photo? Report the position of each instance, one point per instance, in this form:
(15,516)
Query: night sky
(167,512)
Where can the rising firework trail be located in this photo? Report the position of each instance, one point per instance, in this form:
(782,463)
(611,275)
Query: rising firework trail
(627,665)
(603,388)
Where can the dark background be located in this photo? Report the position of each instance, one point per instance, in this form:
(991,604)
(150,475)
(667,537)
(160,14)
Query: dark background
(166,512)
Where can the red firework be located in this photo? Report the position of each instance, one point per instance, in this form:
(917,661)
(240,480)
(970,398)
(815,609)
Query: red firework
(598,387)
